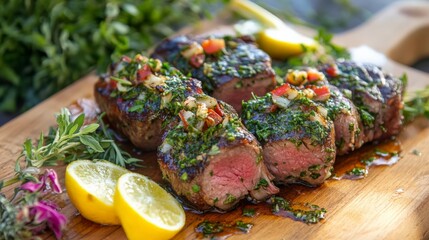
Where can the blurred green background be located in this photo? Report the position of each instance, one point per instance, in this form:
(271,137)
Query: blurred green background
(47,44)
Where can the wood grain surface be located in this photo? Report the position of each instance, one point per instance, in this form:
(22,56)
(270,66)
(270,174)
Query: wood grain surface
(391,203)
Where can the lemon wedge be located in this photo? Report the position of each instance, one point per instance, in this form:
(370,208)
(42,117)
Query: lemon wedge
(91,186)
(146,210)
(284,43)
(277,39)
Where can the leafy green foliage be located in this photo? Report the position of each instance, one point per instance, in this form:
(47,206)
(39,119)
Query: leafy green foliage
(48,44)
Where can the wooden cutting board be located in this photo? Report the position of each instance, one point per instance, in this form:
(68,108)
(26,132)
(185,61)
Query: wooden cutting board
(390,203)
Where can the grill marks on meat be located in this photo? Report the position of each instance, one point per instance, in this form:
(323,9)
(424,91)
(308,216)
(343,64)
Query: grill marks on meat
(230,74)
(297,139)
(138,108)
(377,97)
(215,167)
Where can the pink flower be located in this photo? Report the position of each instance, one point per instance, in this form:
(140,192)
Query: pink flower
(49,180)
(52,176)
(46,212)
(32,186)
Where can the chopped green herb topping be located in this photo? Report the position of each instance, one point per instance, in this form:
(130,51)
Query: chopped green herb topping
(237,60)
(297,123)
(248,212)
(195,188)
(243,226)
(262,183)
(307,213)
(191,148)
(165,94)
(210,229)
(207,228)
(368,161)
(358,172)
(229,199)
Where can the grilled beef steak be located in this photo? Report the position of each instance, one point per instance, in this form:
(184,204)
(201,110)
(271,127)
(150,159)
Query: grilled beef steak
(296,135)
(211,159)
(347,122)
(377,96)
(140,97)
(230,69)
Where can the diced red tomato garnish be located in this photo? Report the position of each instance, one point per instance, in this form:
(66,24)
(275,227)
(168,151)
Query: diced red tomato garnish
(125,59)
(332,70)
(143,73)
(197,60)
(182,117)
(113,84)
(280,91)
(273,108)
(213,118)
(214,45)
(322,93)
(314,75)
(218,110)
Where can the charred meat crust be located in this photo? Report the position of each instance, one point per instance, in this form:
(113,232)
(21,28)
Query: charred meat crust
(347,122)
(143,130)
(216,168)
(376,95)
(142,112)
(230,75)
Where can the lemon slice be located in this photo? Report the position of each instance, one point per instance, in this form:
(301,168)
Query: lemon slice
(278,39)
(146,210)
(283,43)
(91,186)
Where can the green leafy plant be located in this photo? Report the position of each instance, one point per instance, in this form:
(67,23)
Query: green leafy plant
(48,44)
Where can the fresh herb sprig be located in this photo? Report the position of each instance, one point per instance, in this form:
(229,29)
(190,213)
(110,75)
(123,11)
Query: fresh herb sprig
(415,103)
(71,140)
